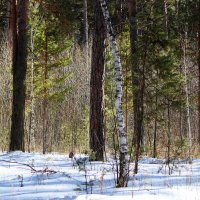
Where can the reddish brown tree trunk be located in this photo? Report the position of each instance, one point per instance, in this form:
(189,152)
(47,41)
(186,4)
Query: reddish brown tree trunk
(96,86)
(199,73)
(19,74)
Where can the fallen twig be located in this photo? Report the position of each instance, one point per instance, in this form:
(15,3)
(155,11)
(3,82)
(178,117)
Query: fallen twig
(45,170)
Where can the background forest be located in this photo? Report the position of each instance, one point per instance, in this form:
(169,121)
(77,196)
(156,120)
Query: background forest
(70,77)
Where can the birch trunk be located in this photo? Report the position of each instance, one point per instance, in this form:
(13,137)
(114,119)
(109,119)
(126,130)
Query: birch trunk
(123,141)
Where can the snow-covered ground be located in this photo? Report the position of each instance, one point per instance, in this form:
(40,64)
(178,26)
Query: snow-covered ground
(53,176)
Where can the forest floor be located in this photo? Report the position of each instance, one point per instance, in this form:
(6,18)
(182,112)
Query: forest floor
(53,176)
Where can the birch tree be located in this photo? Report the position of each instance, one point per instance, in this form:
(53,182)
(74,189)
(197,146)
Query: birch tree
(123,140)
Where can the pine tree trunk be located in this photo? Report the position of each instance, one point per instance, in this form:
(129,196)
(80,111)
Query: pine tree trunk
(123,140)
(96,86)
(199,74)
(19,76)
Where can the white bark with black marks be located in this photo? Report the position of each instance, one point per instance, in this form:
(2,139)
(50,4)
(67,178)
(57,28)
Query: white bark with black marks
(123,178)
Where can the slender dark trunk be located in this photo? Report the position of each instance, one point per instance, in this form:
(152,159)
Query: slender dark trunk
(19,75)
(181,124)
(96,86)
(45,143)
(155,128)
(121,15)
(188,118)
(168,137)
(85,7)
(137,83)
(31,135)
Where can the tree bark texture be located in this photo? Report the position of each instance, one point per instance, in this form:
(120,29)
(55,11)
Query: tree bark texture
(199,74)
(123,140)
(96,86)
(19,76)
